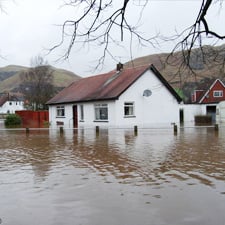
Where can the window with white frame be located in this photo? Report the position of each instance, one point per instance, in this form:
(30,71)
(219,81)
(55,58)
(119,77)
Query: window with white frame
(60,111)
(218,93)
(128,109)
(101,111)
(81,112)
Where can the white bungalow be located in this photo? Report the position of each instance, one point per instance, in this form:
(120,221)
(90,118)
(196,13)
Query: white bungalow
(121,98)
(10,103)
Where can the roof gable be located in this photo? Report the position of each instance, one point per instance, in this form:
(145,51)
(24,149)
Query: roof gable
(106,86)
(216,82)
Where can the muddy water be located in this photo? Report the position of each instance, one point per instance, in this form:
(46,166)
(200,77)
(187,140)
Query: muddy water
(114,178)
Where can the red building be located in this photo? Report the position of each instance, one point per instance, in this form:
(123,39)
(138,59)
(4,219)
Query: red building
(214,93)
(210,95)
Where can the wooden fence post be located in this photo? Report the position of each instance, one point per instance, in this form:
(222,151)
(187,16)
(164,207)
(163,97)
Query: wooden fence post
(216,127)
(97,130)
(61,130)
(135,130)
(175,129)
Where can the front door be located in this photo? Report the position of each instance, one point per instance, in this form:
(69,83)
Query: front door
(75,119)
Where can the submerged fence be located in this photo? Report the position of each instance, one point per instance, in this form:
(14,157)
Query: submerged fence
(173,128)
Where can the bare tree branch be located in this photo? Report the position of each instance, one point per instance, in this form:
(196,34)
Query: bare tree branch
(99,19)
(196,32)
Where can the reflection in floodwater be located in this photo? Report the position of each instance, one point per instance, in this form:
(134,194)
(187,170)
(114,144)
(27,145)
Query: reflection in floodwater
(112,178)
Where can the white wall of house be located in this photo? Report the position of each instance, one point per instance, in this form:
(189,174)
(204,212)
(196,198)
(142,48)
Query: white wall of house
(192,110)
(116,115)
(66,120)
(88,117)
(159,108)
(89,114)
(11,106)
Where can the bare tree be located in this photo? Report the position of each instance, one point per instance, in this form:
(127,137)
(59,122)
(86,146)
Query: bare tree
(37,85)
(101,18)
(193,36)
(98,23)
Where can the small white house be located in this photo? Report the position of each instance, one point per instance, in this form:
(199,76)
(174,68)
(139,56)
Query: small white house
(10,103)
(121,98)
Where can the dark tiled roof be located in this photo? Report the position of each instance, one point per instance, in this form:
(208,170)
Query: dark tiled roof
(106,86)
(3,99)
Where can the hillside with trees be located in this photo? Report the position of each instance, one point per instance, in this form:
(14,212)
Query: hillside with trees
(10,79)
(203,68)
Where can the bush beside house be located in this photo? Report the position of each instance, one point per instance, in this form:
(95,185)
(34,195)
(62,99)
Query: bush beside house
(13,120)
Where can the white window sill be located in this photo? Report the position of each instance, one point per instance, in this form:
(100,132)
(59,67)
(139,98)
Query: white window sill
(129,116)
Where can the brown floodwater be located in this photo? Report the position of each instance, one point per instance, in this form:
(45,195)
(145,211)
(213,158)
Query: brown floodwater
(114,178)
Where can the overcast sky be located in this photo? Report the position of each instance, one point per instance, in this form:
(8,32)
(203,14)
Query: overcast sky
(29,27)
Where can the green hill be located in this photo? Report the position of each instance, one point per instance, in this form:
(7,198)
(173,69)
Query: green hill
(10,77)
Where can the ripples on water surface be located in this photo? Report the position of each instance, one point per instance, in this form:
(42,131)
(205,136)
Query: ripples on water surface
(115,178)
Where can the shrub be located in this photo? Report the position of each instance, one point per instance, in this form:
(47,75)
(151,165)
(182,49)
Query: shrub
(13,120)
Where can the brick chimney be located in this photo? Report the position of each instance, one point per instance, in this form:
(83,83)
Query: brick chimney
(119,66)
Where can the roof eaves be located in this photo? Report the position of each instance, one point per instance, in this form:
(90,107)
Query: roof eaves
(84,101)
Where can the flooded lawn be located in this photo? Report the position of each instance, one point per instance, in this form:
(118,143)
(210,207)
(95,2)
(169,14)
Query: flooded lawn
(114,178)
